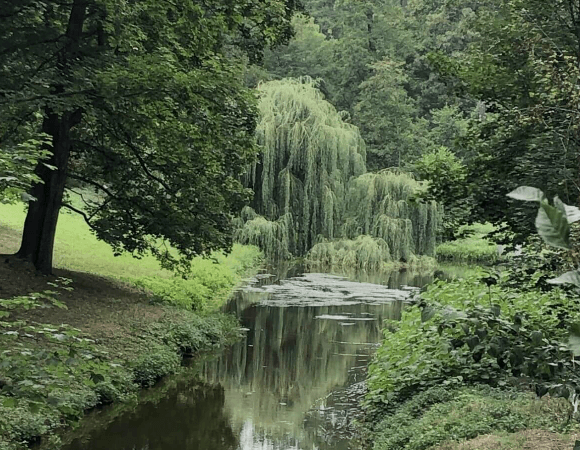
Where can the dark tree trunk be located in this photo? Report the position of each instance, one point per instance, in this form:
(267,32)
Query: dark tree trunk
(40,225)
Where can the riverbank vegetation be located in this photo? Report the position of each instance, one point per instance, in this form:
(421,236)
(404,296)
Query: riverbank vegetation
(510,330)
(357,135)
(100,327)
(471,245)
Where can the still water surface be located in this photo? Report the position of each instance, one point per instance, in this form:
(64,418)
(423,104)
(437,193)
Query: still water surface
(292,383)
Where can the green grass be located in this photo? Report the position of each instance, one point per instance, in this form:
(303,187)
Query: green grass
(77,248)
(473,248)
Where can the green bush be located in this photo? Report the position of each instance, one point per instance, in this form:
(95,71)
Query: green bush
(470,245)
(157,363)
(209,283)
(465,331)
(441,414)
(189,294)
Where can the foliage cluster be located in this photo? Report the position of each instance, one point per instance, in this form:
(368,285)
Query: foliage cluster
(17,163)
(364,253)
(446,177)
(472,331)
(455,414)
(50,375)
(209,282)
(471,245)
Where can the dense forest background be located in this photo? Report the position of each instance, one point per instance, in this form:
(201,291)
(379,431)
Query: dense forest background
(477,97)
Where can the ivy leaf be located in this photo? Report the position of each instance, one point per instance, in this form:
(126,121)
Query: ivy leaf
(552,226)
(428,313)
(527,193)
(537,337)
(97,377)
(572,277)
(9,402)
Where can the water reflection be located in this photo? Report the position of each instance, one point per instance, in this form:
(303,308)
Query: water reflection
(293,379)
(189,417)
(292,383)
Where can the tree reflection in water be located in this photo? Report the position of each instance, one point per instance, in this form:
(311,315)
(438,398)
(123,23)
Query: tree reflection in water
(287,383)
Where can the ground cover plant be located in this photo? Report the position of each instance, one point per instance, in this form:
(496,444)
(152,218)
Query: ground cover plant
(100,328)
(462,413)
(473,331)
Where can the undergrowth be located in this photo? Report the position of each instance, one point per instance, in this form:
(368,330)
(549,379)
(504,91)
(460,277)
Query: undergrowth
(441,414)
(470,332)
(50,375)
(209,283)
(471,245)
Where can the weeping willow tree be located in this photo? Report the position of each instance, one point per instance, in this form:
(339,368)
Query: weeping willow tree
(309,155)
(381,205)
(312,192)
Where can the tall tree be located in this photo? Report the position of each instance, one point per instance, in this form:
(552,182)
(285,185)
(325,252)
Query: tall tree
(524,68)
(387,117)
(142,104)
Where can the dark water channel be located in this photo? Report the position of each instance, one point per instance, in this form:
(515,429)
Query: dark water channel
(292,383)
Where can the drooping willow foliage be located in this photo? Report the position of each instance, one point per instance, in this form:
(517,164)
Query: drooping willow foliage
(309,155)
(381,205)
(312,190)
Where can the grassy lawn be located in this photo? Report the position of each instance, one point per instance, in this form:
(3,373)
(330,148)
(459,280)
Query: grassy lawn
(76,248)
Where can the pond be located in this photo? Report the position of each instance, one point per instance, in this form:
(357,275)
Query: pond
(292,383)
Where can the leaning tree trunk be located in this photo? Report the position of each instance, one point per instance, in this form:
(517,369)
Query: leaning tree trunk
(40,225)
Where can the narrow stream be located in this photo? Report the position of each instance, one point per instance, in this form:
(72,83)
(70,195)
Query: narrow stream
(293,382)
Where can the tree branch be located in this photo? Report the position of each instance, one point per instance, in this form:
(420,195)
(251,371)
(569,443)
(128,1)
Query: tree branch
(82,213)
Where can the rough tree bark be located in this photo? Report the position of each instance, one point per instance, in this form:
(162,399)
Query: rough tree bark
(41,220)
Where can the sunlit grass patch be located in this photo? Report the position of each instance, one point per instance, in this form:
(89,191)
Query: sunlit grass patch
(472,247)
(77,249)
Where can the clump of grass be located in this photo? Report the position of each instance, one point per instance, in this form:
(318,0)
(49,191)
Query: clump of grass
(471,246)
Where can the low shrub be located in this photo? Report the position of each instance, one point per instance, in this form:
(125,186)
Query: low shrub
(155,364)
(442,414)
(209,283)
(465,331)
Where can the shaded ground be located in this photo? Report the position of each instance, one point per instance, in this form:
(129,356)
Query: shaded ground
(522,440)
(104,308)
